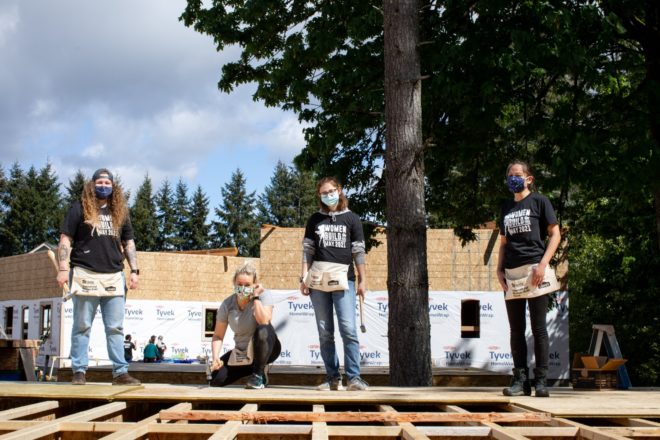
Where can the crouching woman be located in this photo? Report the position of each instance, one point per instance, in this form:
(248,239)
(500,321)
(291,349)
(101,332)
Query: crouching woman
(248,312)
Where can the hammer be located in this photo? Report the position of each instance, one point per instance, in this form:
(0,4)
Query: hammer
(65,290)
(363,329)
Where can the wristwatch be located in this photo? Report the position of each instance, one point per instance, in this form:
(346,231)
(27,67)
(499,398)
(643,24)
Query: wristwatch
(256,298)
(135,271)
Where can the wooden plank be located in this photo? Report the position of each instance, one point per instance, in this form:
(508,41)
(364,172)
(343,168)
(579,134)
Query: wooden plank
(408,430)
(346,416)
(141,428)
(589,432)
(230,429)
(319,429)
(28,363)
(47,428)
(497,432)
(28,410)
(637,431)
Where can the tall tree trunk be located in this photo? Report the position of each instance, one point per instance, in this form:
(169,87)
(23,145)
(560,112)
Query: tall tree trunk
(409,329)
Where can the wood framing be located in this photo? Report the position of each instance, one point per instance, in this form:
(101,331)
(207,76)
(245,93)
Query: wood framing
(167,412)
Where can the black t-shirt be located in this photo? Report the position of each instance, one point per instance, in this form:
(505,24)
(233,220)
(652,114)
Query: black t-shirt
(129,346)
(333,236)
(525,225)
(95,249)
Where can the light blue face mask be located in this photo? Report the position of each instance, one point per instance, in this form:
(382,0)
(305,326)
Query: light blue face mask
(244,291)
(330,199)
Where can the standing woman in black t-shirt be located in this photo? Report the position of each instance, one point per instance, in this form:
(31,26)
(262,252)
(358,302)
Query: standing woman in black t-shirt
(334,236)
(95,237)
(525,223)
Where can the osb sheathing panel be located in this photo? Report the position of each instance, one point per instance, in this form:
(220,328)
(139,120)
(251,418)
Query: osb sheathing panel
(28,276)
(187,277)
(451,265)
(181,277)
(164,276)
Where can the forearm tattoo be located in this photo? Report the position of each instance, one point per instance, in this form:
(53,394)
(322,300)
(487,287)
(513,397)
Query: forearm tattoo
(63,252)
(131,253)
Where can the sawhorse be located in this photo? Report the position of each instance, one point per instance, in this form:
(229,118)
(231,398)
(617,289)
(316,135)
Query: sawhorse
(604,335)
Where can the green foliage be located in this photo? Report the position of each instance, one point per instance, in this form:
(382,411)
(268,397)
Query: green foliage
(181,238)
(290,198)
(32,209)
(143,217)
(75,188)
(165,217)
(573,87)
(199,229)
(237,225)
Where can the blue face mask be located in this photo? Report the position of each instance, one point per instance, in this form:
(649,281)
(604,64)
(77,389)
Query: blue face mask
(330,199)
(103,192)
(516,184)
(244,291)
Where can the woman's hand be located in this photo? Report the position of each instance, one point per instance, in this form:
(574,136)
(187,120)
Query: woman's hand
(216,365)
(502,279)
(538,274)
(304,289)
(62,277)
(258,290)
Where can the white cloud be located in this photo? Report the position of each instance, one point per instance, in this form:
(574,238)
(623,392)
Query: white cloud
(9,20)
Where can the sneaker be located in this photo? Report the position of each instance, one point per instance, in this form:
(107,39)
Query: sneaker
(357,384)
(78,378)
(255,382)
(330,385)
(125,379)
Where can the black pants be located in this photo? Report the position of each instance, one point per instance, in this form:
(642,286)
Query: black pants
(538,308)
(267,348)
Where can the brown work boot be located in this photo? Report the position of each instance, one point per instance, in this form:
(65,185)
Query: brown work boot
(125,379)
(78,378)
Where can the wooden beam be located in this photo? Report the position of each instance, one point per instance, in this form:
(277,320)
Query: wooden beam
(141,428)
(496,431)
(229,430)
(408,430)
(589,432)
(28,410)
(47,428)
(284,416)
(319,429)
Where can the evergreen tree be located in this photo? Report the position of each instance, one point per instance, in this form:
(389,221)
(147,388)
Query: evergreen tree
(238,224)
(75,187)
(33,210)
(289,199)
(181,238)
(165,217)
(3,191)
(198,228)
(143,217)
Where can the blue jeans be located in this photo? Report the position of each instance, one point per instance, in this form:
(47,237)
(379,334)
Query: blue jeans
(344,305)
(112,311)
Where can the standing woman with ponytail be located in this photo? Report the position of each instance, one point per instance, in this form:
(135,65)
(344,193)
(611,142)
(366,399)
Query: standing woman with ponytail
(525,223)
(95,237)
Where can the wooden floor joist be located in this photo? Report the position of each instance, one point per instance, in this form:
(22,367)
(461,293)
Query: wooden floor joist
(351,417)
(382,413)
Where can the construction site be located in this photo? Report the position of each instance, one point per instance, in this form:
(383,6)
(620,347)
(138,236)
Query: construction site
(175,401)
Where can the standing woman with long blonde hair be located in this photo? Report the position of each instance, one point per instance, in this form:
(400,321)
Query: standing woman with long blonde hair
(96,236)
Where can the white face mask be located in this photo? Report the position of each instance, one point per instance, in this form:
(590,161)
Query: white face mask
(330,199)
(244,291)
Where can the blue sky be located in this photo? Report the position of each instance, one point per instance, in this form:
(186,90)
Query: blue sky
(125,85)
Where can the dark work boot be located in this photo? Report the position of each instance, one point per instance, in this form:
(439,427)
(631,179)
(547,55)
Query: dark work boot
(519,384)
(541,382)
